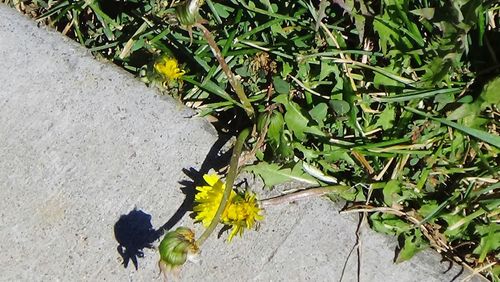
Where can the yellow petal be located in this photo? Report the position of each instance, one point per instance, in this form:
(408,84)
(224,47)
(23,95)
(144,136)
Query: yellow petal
(211,179)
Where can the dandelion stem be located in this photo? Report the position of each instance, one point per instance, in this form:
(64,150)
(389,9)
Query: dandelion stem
(235,83)
(231,176)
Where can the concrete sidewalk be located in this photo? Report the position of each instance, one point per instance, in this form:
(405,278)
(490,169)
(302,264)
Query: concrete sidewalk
(82,143)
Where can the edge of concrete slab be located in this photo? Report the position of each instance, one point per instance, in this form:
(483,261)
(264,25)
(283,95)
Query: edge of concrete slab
(79,154)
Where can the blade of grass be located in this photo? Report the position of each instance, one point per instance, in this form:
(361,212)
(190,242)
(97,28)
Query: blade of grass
(482,135)
(258,29)
(53,10)
(436,211)
(213,88)
(399,28)
(264,12)
(416,95)
(485,190)
(78,32)
(126,49)
(380,70)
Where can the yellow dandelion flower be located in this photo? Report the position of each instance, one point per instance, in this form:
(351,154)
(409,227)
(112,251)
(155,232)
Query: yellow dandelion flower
(208,198)
(168,68)
(241,213)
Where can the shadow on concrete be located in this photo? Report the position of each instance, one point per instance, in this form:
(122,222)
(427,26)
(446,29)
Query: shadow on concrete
(134,231)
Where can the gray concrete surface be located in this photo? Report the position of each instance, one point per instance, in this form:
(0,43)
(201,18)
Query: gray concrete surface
(82,143)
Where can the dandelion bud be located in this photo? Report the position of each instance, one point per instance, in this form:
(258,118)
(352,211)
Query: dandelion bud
(177,247)
(188,12)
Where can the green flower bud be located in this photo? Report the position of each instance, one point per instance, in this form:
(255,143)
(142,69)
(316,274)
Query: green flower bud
(188,12)
(176,247)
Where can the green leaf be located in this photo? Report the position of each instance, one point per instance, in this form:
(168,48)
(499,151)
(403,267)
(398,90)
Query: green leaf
(359,22)
(350,97)
(275,129)
(309,153)
(243,71)
(388,224)
(431,210)
(319,112)
(496,272)
(353,195)
(386,118)
(295,120)
(426,13)
(391,189)
(443,100)
(428,208)
(452,219)
(490,240)
(280,85)
(436,71)
(304,71)
(464,110)
(278,140)
(466,99)
(413,243)
(138,45)
(273,174)
(286,69)
(278,29)
(384,34)
(380,80)
(326,69)
(222,10)
(285,150)
(491,93)
(340,107)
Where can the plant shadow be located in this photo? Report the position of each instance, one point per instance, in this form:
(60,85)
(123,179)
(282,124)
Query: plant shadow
(134,231)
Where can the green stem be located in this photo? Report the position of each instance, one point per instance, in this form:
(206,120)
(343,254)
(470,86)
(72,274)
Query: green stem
(235,83)
(231,175)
